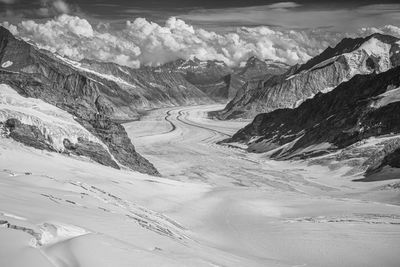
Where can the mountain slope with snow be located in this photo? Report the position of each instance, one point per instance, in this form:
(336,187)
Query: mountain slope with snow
(357,123)
(94,105)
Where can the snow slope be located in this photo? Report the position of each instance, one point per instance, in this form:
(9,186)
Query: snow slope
(84,214)
(216,206)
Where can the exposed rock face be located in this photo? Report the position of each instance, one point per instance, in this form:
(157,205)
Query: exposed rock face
(388,156)
(376,53)
(27,134)
(95,104)
(91,150)
(146,87)
(181,82)
(30,135)
(360,118)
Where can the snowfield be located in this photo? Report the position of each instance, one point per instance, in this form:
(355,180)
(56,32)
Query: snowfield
(214,205)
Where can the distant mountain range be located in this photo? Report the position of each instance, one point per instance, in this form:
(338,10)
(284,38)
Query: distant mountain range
(375,53)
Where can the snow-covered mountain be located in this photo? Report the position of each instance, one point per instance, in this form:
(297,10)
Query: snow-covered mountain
(375,53)
(66,109)
(357,124)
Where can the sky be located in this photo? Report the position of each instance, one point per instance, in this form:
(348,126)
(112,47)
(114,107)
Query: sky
(152,32)
(217,14)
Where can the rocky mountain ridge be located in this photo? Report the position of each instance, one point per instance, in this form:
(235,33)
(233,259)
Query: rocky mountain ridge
(375,53)
(180,82)
(357,124)
(219,81)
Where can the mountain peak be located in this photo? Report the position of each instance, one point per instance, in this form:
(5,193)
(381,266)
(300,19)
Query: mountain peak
(346,45)
(253,60)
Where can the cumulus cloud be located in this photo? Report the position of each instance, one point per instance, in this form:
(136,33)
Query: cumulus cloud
(387,29)
(142,42)
(286,15)
(75,38)
(12,28)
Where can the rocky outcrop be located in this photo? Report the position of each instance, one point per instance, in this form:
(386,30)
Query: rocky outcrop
(95,104)
(31,135)
(359,119)
(389,155)
(375,53)
(27,134)
(91,150)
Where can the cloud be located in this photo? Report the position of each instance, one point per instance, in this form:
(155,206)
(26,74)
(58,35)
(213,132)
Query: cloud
(61,6)
(283,5)
(8,1)
(75,38)
(52,8)
(387,29)
(12,28)
(286,15)
(177,39)
(142,42)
